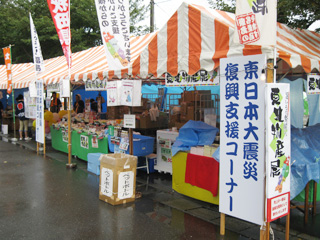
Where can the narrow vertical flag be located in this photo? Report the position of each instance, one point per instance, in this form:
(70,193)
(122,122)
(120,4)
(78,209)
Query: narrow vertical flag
(114,24)
(256,22)
(7,62)
(60,12)
(36,48)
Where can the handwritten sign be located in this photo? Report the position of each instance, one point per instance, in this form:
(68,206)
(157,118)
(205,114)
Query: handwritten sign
(125,185)
(106,182)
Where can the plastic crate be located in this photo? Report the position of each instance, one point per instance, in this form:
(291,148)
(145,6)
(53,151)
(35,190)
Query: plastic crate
(142,145)
(94,163)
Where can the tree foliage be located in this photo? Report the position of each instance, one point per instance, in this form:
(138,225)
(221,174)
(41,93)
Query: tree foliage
(85,30)
(294,13)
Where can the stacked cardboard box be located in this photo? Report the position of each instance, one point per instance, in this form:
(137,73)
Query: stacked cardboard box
(117,178)
(189,103)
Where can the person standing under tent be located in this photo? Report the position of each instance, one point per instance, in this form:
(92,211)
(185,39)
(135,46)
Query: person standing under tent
(78,106)
(23,121)
(1,112)
(55,103)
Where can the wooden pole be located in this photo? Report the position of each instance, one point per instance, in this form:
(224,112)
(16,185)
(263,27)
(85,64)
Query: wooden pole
(306,203)
(69,164)
(314,209)
(222,224)
(288,226)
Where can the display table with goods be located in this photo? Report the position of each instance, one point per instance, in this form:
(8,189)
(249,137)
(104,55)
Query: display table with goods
(195,173)
(85,138)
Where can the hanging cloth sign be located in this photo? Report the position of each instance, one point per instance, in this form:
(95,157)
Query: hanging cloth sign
(7,62)
(60,12)
(36,49)
(114,23)
(96,85)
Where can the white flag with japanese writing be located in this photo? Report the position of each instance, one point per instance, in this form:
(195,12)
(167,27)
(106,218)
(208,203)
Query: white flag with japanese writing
(114,24)
(36,48)
(256,22)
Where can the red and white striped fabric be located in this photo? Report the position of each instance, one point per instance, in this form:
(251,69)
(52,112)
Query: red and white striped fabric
(194,38)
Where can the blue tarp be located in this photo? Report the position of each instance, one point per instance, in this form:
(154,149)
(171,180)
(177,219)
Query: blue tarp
(305,156)
(194,133)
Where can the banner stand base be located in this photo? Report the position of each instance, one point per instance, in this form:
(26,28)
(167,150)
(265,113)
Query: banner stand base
(71,165)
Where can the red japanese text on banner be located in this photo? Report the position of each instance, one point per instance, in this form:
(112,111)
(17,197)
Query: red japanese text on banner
(36,48)
(60,13)
(114,19)
(256,22)
(7,62)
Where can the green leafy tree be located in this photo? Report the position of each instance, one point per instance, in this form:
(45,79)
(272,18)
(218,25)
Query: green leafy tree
(85,30)
(294,13)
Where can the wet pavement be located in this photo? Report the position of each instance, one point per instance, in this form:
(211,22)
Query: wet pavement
(41,199)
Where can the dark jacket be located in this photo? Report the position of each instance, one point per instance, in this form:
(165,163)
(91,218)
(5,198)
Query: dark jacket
(20,110)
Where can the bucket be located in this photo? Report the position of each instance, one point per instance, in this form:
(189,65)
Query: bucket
(4,129)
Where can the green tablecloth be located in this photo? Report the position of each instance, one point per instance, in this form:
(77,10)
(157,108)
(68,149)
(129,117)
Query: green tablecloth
(78,149)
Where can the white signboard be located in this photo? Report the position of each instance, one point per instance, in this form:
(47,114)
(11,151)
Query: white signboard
(201,78)
(125,185)
(96,85)
(65,88)
(30,105)
(40,112)
(106,182)
(313,83)
(278,151)
(114,25)
(242,155)
(129,121)
(53,87)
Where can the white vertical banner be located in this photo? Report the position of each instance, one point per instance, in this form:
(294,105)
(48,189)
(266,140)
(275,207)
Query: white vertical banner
(242,145)
(113,93)
(114,24)
(256,22)
(65,88)
(131,93)
(40,112)
(36,49)
(278,151)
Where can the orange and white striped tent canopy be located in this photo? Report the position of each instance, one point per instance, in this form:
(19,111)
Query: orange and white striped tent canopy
(194,38)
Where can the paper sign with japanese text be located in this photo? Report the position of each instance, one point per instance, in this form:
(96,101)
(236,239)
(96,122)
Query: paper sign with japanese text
(242,144)
(278,150)
(30,105)
(114,22)
(96,85)
(201,78)
(256,22)
(40,124)
(313,83)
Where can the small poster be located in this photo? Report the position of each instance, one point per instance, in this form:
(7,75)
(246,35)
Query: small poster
(33,89)
(313,83)
(94,141)
(65,88)
(125,185)
(64,135)
(113,93)
(166,154)
(131,93)
(30,105)
(106,182)
(48,103)
(84,141)
(124,144)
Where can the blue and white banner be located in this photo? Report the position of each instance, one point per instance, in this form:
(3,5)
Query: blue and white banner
(36,49)
(40,112)
(242,144)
